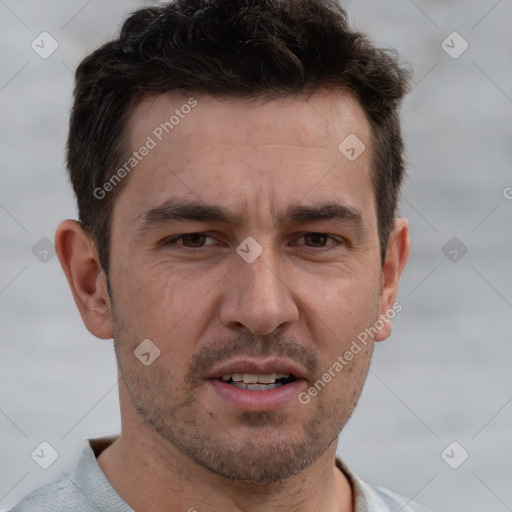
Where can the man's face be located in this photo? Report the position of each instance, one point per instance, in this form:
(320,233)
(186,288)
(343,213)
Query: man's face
(213,311)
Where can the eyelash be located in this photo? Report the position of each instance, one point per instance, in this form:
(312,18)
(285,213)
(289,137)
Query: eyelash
(329,247)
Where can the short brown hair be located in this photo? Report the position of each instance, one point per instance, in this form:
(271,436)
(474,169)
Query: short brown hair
(243,48)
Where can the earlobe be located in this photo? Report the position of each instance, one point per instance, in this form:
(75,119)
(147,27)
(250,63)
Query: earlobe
(397,255)
(79,260)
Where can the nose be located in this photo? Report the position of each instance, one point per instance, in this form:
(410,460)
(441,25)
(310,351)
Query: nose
(258,297)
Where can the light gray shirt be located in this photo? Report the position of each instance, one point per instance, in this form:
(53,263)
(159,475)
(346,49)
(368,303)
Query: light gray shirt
(87,489)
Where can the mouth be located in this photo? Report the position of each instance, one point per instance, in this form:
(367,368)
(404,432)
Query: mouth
(257,385)
(258,382)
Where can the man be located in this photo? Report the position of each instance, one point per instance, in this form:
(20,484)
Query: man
(237,165)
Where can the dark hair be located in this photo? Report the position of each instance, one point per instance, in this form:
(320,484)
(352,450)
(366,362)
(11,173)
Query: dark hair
(242,48)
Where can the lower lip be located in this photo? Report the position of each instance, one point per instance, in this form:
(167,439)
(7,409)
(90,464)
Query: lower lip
(258,401)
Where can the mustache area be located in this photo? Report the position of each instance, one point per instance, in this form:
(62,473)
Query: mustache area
(223,351)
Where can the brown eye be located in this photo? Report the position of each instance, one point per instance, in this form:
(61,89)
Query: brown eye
(190,241)
(320,242)
(195,239)
(317,239)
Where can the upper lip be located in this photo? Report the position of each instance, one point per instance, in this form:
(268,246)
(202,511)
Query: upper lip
(257,367)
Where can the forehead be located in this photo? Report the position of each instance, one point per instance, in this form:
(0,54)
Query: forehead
(249,154)
(317,120)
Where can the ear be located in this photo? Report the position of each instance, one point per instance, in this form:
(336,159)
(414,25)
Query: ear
(79,260)
(396,257)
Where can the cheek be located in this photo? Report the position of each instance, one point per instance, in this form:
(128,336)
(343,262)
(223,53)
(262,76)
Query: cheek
(347,305)
(162,303)
(341,315)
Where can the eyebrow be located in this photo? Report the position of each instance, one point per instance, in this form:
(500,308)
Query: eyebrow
(174,210)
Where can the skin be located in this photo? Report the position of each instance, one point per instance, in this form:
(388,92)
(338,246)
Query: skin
(304,298)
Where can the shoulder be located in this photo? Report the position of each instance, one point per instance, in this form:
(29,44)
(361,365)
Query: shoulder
(389,500)
(56,496)
(375,498)
(86,489)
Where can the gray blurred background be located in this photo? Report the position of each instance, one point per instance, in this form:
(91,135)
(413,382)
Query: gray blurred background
(444,375)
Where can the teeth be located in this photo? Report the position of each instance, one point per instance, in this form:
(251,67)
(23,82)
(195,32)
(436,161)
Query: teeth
(267,379)
(262,387)
(250,378)
(255,387)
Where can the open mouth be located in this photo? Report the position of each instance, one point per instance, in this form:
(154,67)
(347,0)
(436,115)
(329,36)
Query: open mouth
(256,382)
(256,386)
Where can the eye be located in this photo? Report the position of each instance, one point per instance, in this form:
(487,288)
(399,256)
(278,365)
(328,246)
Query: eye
(190,240)
(198,241)
(318,240)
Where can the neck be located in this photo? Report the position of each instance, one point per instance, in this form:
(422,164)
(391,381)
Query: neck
(149,473)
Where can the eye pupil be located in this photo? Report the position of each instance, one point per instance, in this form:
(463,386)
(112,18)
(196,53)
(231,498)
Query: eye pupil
(194,237)
(317,238)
